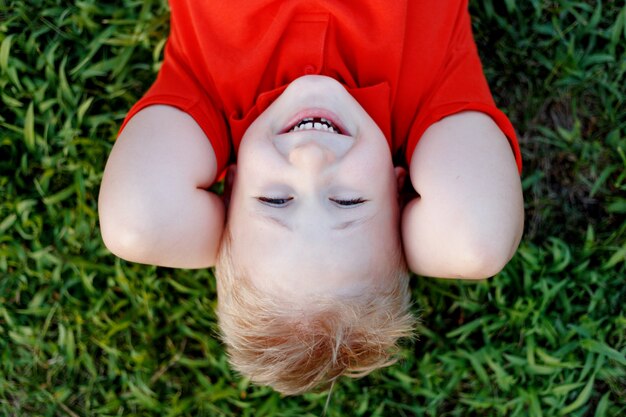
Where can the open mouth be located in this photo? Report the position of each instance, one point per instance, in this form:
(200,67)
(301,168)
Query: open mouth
(315,123)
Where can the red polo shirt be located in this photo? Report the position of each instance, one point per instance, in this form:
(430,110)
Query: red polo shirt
(408,63)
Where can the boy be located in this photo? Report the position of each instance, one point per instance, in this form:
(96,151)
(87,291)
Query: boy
(315,98)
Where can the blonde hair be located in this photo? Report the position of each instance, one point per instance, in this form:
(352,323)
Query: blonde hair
(295,349)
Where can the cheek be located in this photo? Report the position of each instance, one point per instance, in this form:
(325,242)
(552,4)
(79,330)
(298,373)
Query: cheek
(254,161)
(374,167)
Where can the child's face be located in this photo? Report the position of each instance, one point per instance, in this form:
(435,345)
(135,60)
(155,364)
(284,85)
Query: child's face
(313,211)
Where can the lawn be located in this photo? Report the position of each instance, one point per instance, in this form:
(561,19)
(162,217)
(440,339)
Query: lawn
(83,333)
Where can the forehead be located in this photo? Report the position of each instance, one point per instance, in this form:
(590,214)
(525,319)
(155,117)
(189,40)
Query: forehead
(293,264)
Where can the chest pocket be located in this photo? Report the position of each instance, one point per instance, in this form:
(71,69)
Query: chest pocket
(300,50)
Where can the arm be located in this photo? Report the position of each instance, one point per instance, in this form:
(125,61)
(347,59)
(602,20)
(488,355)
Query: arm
(468,220)
(153,203)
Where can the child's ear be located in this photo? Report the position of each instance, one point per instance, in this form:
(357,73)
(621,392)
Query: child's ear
(229,180)
(405,191)
(400,177)
(231,171)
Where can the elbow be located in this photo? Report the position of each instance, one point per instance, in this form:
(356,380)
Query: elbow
(124,228)
(486,246)
(486,255)
(468,248)
(120,241)
(471,259)
(481,262)
(122,237)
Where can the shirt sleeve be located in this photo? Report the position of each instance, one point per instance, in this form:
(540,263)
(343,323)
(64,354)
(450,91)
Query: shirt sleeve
(460,86)
(176,86)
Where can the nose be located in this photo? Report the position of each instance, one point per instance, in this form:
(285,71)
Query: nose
(311,156)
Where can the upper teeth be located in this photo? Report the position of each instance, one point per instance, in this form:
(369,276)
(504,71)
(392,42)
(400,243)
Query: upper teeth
(317,123)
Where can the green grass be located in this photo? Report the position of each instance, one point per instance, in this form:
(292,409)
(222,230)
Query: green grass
(85,334)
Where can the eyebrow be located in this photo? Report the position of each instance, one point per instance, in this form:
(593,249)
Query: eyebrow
(351,223)
(340,226)
(275,220)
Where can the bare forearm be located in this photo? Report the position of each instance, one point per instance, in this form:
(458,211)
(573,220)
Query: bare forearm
(159,230)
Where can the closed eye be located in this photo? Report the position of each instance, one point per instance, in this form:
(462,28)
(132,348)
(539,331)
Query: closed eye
(350,202)
(276,202)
